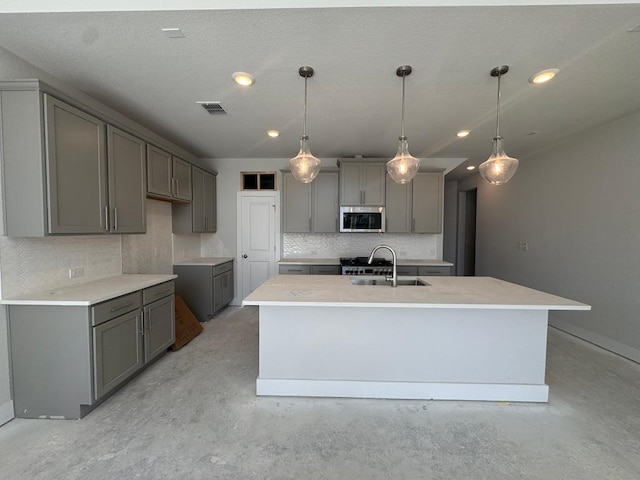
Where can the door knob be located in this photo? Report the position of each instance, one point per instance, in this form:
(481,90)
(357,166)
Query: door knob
(244,256)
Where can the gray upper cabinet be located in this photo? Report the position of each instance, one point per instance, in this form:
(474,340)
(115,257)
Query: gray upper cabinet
(325,203)
(159,172)
(427,202)
(76,169)
(199,216)
(127,192)
(297,197)
(182,179)
(398,207)
(310,207)
(168,177)
(362,183)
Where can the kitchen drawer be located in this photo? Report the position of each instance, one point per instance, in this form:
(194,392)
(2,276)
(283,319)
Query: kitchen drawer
(325,269)
(105,311)
(432,271)
(225,267)
(156,292)
(407,270)
(295,269)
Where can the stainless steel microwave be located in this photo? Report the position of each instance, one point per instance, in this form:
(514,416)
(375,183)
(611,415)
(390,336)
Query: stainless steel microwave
(362,219)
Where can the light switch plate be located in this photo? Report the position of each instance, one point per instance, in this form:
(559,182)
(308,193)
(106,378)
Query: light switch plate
(75,272)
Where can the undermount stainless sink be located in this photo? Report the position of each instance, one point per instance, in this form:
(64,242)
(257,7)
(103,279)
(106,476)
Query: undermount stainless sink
(402,281)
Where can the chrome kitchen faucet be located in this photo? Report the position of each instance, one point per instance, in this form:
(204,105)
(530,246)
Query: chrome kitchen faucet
(394,275)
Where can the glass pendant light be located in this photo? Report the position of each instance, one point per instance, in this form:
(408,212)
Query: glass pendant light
(403,167)
(305,166)
(499,167)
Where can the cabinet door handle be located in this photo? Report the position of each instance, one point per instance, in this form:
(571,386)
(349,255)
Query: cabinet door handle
(115,219)
(177,186)
(115,309)
(173,186)
(149,320)
(106,217)
(140,320)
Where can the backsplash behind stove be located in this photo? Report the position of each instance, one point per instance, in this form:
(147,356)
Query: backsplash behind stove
(330,245)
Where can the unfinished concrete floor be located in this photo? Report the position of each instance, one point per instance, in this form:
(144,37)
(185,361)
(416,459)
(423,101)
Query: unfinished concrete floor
(194,415)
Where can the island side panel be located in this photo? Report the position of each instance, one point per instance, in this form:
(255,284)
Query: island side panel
(396,346)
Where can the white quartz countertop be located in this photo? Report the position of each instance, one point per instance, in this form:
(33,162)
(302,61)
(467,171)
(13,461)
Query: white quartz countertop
(211,261)
(89,293)
(336,261)
(442,292)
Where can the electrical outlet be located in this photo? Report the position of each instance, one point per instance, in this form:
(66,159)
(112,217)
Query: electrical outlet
(313,253)
(524,246)
(402,254)
(75,272)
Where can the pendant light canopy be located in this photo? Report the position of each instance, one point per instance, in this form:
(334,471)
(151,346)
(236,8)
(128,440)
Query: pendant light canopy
(499,167)
(305,166)
(403,167)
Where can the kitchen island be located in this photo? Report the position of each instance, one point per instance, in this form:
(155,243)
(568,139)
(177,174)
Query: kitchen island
(457,338)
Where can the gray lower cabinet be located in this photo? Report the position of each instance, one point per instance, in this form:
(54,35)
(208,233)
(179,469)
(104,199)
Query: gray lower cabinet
(68,359)
(199,216)
(310,270)
(118,351)
(415,270)
(295,269)
(206,289)
(159,330)
(64,170)
(407,270)
(432,271)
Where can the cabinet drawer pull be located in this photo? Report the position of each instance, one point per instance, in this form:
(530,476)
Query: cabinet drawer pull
(106,217)
(115,309)
(295,269)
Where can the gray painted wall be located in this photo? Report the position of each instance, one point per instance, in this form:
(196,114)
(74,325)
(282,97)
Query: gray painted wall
(577,205)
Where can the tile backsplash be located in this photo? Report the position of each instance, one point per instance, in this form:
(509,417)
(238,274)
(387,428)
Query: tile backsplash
(360,244)
(32,264)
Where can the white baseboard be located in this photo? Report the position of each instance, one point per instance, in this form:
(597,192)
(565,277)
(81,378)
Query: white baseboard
(598,340)
(6,412)
(402,390)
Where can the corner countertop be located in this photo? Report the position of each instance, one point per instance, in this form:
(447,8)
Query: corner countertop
(89,293)
(336,261)
(210,261)
(441,292)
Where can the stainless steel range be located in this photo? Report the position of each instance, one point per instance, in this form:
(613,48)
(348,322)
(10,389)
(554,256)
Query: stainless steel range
(359,266)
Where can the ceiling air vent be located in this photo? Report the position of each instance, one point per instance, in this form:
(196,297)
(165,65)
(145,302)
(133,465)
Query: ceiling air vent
(213,108)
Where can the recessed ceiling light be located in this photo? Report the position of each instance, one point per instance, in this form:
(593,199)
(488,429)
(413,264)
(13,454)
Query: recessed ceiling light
(471,167)
(543,76)
(243,78)
(173,32)
(463,133)
(273,133)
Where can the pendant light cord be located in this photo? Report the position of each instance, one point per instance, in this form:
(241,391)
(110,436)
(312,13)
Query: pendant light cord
(304,123)
(498,109)
(402,117)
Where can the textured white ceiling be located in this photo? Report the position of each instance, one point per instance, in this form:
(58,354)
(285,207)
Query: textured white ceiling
(124,60)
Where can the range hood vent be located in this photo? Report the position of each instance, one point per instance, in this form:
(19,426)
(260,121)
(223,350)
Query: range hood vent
(213,108)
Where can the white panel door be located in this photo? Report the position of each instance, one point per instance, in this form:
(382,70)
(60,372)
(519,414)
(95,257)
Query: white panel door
(258,241)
